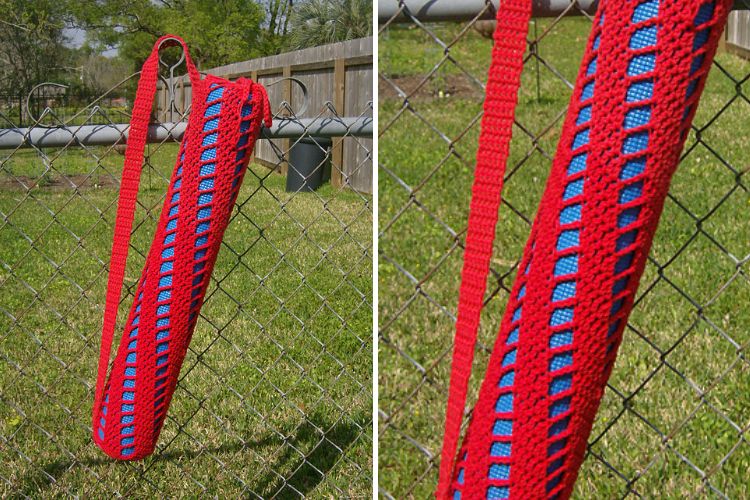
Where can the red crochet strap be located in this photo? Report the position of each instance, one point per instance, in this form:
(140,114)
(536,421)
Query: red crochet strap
(503,83)
(131,176)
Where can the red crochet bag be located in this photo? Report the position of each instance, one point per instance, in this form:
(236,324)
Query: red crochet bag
(225,120)
(639,84)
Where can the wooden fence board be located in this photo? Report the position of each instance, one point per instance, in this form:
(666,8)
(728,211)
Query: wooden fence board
(338,75)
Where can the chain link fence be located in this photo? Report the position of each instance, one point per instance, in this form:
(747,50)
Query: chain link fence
(22,108)
(674,420)
(274,398)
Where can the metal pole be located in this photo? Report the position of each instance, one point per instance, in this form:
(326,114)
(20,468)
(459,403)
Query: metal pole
(106,135)
(465,10)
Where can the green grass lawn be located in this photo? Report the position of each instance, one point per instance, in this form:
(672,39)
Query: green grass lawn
(275,393)
(679,390)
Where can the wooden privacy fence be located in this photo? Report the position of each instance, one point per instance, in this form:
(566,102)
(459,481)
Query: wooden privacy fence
(339,80)
(738,33)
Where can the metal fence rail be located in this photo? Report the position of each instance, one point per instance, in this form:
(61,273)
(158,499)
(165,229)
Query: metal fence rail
(274,398)
(102,135)
(674,420)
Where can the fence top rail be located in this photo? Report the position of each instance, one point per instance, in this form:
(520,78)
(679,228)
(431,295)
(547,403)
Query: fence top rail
(466,10)
(105,135)
(356,52)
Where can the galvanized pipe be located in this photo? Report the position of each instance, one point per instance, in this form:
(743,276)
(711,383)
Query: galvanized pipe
(464,10)
(106,135)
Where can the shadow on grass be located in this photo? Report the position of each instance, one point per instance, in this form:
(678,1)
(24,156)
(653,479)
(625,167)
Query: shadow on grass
(309,455)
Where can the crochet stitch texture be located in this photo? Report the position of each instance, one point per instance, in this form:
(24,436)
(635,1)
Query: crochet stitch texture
(639,84)
(225,121)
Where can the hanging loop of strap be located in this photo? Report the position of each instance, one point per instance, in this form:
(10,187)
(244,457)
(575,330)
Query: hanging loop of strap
(131,176)
(503,83)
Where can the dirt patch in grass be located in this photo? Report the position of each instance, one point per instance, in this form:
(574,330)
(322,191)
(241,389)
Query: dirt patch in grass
(57,183)
(416,88)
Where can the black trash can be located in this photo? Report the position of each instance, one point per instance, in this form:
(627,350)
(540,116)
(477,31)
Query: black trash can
(309,161)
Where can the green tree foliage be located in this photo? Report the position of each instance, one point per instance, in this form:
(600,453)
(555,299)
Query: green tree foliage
(34,46)
(318,22)
(218,31)
(31,43)
(276,26)
(98,74)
